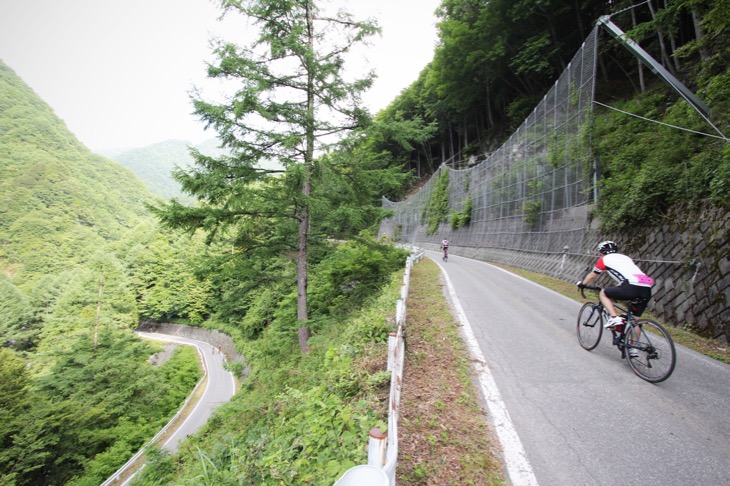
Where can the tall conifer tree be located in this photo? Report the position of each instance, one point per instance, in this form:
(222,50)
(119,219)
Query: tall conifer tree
(291,102)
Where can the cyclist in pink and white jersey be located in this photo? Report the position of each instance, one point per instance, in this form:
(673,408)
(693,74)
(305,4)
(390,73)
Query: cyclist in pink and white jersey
(633,283)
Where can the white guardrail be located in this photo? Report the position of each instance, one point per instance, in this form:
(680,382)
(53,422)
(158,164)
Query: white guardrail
(383,445)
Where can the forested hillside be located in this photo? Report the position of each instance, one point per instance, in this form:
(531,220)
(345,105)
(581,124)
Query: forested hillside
(83,262)
(497,59)
(156,164)
(78,251)
(59,202)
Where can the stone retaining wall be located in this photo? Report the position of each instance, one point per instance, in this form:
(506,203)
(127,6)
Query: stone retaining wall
(215,338)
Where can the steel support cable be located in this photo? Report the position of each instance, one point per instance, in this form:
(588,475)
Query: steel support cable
(721,137)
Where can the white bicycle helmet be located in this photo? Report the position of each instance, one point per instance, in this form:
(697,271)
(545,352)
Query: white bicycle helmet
(607,246)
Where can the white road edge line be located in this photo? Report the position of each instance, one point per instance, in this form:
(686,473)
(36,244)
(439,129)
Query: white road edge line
(518,466)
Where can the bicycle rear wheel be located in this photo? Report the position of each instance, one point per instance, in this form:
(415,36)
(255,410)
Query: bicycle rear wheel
(655,348)
(589,326)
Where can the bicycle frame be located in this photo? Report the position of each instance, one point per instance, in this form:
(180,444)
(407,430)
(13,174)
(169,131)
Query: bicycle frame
(619,332)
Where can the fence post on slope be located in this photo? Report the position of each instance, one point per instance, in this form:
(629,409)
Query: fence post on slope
(376,447)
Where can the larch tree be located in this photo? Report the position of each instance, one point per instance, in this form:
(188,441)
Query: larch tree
(293,100)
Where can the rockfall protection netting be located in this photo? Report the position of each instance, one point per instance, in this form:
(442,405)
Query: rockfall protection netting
(532,194)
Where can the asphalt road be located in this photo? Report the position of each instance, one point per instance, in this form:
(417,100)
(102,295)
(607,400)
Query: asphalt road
(219,388)
(584,418)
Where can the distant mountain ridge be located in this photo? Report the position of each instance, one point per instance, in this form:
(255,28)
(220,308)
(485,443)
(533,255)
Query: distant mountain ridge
(59,202)
(155,163)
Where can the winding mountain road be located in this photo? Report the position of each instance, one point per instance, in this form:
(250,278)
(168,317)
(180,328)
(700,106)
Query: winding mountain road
(220,386)
(572,417)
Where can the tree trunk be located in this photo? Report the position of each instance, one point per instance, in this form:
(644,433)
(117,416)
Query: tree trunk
(673,44)
(579,19)
(666,58)
(303,256)
(640,66)
(490,117)
(699,32)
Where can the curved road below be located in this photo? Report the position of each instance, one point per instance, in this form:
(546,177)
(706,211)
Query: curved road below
(220,386)
(584,418)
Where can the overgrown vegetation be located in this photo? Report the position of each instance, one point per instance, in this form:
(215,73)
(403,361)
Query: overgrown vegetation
(462,218)
(496,60)
(438,203)
(90,411)
(300,419)
(649,168)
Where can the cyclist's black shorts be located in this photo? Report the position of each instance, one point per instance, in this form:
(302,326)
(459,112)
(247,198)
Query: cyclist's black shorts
(639,296)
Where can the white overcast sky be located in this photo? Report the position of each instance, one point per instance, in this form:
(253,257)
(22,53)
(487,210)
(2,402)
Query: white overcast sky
(119,72)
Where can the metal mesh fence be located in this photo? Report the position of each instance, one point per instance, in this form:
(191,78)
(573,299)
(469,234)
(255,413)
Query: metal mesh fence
(532,194)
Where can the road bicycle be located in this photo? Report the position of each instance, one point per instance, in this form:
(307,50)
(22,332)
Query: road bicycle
(648,346)
(446,254)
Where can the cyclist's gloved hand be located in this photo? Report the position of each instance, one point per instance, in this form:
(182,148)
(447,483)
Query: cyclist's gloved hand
(579,284)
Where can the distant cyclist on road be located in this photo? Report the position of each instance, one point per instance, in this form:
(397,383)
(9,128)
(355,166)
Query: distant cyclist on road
(445,248)
(633,283)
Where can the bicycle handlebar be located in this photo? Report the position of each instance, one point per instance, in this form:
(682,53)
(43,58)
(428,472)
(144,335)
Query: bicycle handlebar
(589,287)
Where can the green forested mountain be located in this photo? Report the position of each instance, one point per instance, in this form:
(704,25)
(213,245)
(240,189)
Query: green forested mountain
(59,202)
(83,262)
(78,397)
(155,164)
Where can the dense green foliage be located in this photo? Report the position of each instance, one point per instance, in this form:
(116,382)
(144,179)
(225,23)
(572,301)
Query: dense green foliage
(69,322)
(293,94)
(496,59)
(301,419)
(78,397)
(155,164)
(650,169)
(95,407)
(438,203)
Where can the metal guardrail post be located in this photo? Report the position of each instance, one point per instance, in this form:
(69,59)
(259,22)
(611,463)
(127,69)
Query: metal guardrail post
(383,446)
(376,447)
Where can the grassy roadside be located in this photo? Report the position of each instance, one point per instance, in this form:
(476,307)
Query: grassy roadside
(708,347)
(443,438)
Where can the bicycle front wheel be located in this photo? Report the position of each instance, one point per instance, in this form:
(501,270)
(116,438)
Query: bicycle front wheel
(589,326)
(651,350)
